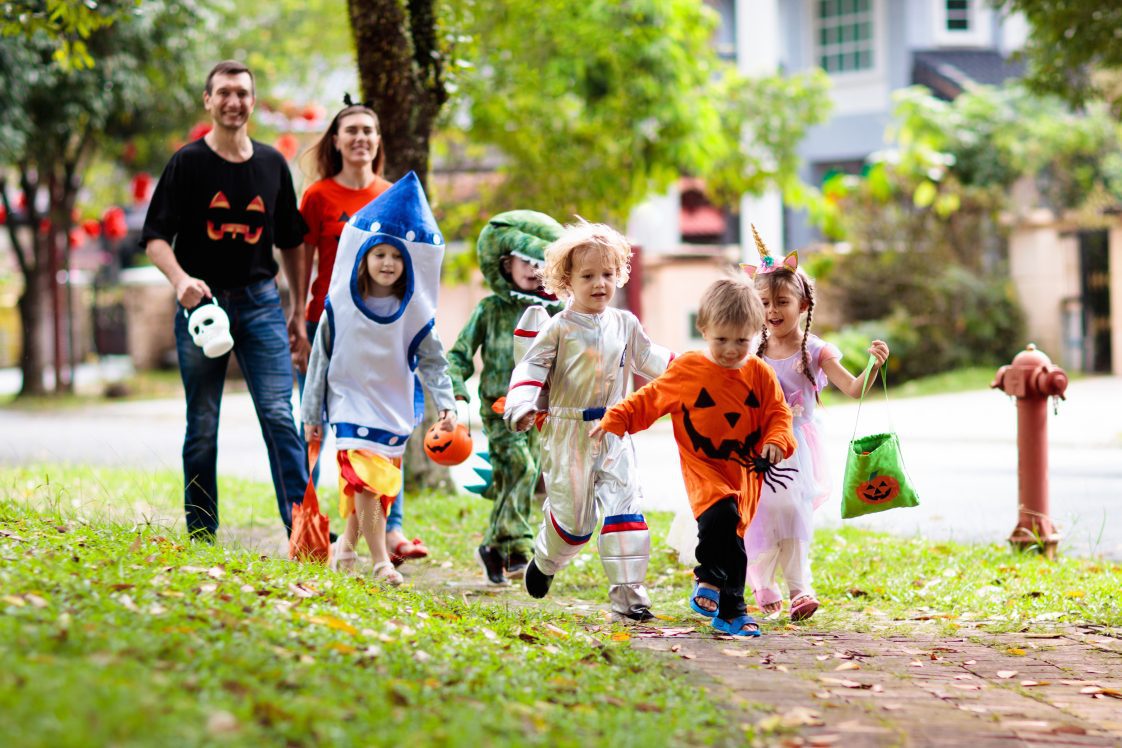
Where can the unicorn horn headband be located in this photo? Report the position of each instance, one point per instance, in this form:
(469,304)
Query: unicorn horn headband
(767,262)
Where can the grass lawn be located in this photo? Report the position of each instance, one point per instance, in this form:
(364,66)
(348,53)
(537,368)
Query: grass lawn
(121,632)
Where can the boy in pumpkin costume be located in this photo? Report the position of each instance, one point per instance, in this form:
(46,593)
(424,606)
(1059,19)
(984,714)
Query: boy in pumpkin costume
(511,250)
(732,425)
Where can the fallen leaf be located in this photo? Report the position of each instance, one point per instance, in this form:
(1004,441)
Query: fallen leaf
(422,656)
(687,656)
(736,652)
(915,663)
(676,648)
(964,676)
(621,636)
(1015,651)
(204,588)
(970,662)
(216,572)
(1075,594)
(555,631)
(135,546)
(301,590)
(335,623)
(822,740)
(966,686)
(1006,674)
(126,601)
(221,722)
(822,658)
(35,600)
(488,634)
(19,602)
(822,694)
(848,666)
(854,592)
(1032,683)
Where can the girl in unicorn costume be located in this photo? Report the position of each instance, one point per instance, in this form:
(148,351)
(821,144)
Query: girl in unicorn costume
(370,358)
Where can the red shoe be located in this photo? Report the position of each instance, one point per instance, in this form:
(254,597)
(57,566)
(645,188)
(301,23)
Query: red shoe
(803,607)
(408,549)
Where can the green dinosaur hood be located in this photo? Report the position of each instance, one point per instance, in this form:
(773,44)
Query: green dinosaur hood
(521,233)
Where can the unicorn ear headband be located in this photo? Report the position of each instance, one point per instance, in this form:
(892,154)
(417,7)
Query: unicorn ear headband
(767,262)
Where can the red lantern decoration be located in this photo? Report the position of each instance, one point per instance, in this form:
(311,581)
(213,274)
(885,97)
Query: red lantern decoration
(77,238)
(44,226)
(288,145)
(313,112)
(92,227)
(200,130)
(448,447)
(115,225)
(141,187)
(3,215)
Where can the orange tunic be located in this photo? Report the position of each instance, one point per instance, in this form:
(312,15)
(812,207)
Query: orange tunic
(722,418)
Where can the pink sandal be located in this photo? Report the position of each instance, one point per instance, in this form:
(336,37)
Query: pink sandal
(417,550)
(803,607)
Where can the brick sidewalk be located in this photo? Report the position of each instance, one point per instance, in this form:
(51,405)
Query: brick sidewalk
(818,688)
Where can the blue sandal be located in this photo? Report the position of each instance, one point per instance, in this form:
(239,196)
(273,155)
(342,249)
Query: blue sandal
(706,594)
(735,627)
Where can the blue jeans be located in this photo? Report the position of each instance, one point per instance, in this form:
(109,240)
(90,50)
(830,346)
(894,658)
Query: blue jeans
(396,515)
(260,335)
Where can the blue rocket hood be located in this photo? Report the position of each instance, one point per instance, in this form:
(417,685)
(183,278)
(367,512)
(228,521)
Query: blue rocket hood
(402,211)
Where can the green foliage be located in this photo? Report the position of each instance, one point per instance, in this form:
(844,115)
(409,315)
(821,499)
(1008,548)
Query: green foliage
(935,317)
(595,106)
(67,24)
(1072,49)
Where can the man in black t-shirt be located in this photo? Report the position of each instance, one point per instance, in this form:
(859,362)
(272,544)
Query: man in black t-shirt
(222,204)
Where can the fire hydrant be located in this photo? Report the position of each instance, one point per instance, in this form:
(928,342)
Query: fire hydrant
(1032,378)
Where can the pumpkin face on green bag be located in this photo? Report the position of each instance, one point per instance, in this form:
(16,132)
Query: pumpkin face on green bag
(879,489)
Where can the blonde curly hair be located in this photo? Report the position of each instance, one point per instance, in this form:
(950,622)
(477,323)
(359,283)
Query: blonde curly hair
(578,237)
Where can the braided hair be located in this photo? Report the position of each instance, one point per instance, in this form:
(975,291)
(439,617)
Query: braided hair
(800,284)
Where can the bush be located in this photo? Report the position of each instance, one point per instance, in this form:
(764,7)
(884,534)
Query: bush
(933,322)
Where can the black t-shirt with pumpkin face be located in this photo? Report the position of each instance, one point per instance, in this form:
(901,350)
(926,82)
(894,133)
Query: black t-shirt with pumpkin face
(223,218)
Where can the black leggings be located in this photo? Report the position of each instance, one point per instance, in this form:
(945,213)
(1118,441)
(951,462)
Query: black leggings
(720,556)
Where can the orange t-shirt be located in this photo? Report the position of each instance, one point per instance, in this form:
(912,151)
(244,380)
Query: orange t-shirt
(326,207)
(722,418)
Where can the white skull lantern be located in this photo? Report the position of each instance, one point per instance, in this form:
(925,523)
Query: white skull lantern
(210,329)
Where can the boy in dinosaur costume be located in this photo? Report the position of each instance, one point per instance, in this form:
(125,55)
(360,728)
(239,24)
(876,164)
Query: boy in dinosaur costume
(511,249)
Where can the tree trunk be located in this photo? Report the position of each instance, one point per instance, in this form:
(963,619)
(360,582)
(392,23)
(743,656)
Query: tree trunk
(31,315)
(401,70)
(402,74)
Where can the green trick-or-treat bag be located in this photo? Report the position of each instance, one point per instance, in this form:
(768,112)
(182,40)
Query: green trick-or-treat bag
(875,478)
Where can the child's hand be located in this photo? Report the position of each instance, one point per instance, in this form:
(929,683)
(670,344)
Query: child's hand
(447,420)
(526,421)
(597,432)
(772,453)
(313,432)
(879,351)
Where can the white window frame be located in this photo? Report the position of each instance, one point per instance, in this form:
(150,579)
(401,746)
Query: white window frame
(978,34)
(855,91)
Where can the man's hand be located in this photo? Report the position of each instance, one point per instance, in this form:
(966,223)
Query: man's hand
(298,342)
(772,453)
(191,291)
(313,431)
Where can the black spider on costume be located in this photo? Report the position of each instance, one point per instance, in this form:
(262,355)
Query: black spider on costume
(774,476)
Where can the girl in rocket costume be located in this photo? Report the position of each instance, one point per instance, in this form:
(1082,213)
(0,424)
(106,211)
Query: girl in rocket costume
(365,361)
(584,356)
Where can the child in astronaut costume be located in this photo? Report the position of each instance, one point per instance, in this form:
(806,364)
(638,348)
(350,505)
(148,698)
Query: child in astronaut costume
(366,359)
(584,356)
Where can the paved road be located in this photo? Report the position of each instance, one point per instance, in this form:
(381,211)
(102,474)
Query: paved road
(960,450)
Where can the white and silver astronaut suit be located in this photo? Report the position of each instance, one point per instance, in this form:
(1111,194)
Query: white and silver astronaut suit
(585,360)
